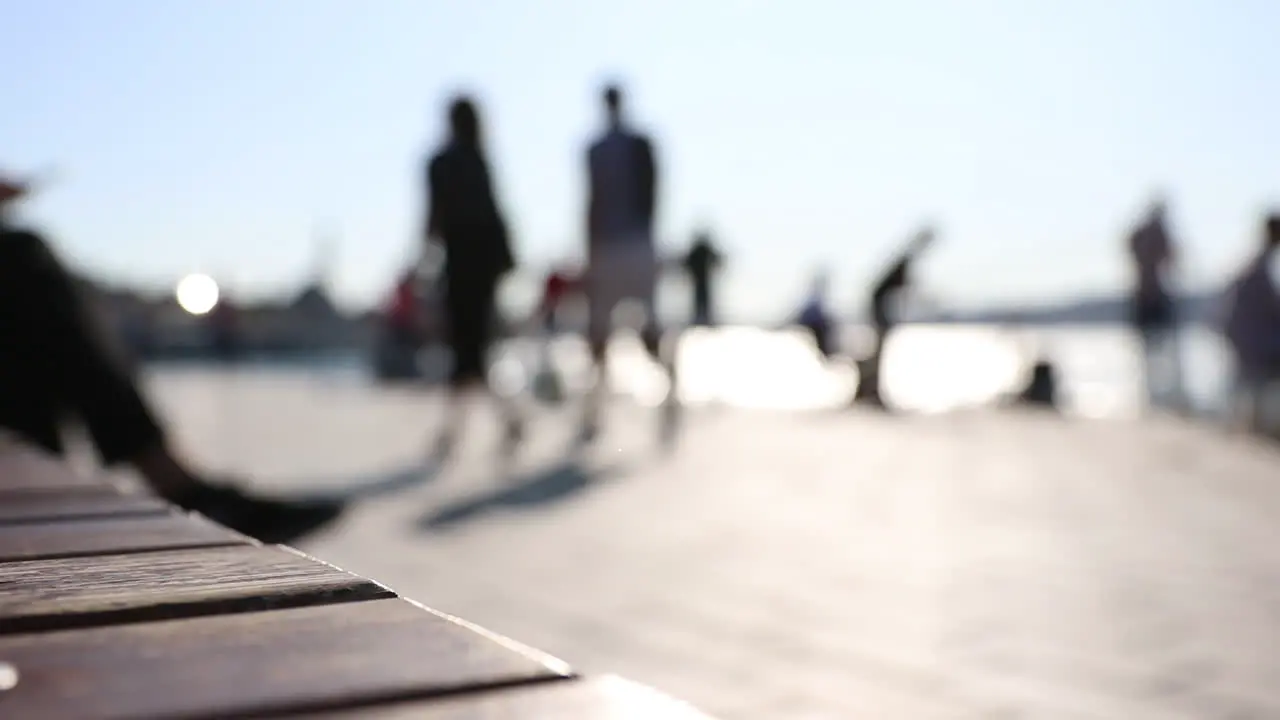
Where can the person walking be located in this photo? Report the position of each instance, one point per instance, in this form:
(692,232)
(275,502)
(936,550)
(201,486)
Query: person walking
(622,259)
(464,220)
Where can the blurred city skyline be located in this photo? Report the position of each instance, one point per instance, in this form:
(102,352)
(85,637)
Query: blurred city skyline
(225,136)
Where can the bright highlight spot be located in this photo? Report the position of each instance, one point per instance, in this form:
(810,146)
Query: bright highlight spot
(197,294)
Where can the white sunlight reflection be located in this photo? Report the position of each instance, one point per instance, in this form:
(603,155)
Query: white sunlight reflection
(197,294)
(935,369)
(928,368)
(745,367)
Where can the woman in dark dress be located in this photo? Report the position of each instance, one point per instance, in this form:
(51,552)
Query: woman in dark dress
(465,221)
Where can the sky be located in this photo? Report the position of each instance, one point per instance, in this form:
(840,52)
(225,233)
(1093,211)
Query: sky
(226,136)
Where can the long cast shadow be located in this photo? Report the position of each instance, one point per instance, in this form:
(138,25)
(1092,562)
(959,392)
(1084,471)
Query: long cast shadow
(550,485)
(377,484)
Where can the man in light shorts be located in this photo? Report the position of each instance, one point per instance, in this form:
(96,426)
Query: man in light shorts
(622,261)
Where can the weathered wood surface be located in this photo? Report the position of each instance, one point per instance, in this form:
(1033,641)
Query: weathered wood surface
(28,469)
(115,606)
(79,503)
(606,698)
(301,660)
(81,538)
(101,590)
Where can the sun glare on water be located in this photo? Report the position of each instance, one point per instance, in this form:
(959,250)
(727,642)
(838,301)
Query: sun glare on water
(197,294)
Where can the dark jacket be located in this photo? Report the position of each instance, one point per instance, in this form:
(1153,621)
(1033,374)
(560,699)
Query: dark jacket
(465,215)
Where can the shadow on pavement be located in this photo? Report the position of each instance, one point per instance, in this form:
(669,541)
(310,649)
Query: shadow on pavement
(377,484)
(550,485)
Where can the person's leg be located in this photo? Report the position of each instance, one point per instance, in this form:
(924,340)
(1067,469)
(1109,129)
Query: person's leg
(1161,354)
(1176,376)
(486,304)
(550,323)
(601,289)
(702,302)
(873,365)
(56,360)
(1144,325)
(643,279)
(464,328)
(1244,406)
(1149,341)
(471,306)
(1163,363)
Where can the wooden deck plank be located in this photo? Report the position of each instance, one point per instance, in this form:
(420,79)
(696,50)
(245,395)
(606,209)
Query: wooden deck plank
(81,538)
(605,698)
(307,659)
(94,591)
(79,503)
(28,469)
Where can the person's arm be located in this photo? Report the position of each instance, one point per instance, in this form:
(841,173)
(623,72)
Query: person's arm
(506,259)
(1168,256)
(687,261)
(79,356)
(648,181)
(591,217)
(919,243)
(435,184)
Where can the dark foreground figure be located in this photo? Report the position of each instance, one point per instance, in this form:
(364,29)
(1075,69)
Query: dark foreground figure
(56,363)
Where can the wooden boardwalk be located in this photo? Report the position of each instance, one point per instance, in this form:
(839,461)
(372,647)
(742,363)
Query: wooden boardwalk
(814,565)
(116,606)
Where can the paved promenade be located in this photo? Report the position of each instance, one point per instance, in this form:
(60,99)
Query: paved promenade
(810,565)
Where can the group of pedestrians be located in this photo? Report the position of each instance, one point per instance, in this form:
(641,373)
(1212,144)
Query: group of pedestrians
(622,260)
(1249,319)
(57,362)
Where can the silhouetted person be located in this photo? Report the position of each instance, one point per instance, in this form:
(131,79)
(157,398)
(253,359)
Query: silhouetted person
(224,325)
(401,332)
(465,220)
(559,284)
(884,298)
(1154,313)
(622,260)
(1252,323)
(57,362)
(1042,387)
(888,289)
(403,315)
(815,318)
(702,262)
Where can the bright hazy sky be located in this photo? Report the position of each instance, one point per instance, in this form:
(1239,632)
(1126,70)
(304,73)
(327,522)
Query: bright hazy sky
(222,135)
